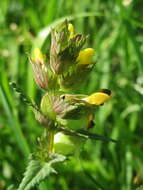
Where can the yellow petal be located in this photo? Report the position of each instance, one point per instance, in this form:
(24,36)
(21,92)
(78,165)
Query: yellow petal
(38,55)
(86,56)
(71,30)
(97,98)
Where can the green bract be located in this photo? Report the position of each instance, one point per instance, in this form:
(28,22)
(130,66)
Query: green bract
(46,106)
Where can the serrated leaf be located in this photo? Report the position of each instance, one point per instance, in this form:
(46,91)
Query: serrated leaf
(37,171)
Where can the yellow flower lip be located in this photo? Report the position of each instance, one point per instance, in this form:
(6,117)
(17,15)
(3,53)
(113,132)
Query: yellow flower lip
(38,56)
(98,98)
(85,56)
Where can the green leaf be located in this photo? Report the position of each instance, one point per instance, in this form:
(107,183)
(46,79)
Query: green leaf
(37,171)
(86,135)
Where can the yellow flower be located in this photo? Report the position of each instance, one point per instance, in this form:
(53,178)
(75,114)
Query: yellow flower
(38,56)
(98,98)
(85,56)
(71,30)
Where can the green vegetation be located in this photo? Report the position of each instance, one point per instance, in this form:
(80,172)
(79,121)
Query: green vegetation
(115,32)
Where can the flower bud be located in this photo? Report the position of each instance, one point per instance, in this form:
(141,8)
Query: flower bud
(43,76)
(65,47)
(79,73)
(39,69)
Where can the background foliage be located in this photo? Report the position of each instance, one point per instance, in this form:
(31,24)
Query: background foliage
(115,30)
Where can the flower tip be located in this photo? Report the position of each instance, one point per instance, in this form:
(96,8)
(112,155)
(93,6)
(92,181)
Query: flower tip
(71,30)
(86,56)
(38,55)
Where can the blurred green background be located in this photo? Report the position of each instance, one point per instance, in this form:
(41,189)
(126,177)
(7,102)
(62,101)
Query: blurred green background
(115,31)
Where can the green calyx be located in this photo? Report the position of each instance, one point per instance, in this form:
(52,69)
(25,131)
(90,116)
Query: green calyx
(67,145)
(47,106)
